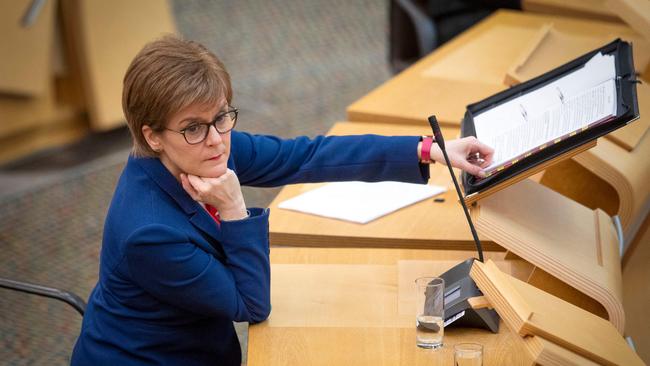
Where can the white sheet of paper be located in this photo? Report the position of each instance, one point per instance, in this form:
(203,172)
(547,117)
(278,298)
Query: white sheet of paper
(360,202)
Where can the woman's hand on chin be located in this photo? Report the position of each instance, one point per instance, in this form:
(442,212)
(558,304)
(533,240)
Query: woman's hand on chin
(224,193)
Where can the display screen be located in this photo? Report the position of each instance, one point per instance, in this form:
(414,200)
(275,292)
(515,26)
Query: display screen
(452,295)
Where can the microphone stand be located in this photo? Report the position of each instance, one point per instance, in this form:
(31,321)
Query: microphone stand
(437,133)
(459,286)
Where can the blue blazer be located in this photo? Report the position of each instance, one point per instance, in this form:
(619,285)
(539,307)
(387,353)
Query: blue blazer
(172,281)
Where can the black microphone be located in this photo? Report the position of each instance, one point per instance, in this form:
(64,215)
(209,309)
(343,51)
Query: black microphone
(437,133)
(459,285)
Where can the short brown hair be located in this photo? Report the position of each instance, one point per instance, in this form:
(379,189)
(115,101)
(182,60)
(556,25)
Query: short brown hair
(166,76)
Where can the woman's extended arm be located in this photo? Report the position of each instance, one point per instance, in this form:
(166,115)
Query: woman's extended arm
(267,161)
(270,161)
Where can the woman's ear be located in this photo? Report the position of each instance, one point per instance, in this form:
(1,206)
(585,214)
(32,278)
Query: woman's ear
(153,139)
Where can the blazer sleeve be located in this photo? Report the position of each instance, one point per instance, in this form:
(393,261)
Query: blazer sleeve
(163,261)
(267,161)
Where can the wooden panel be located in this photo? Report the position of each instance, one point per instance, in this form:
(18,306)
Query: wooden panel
(435,85)
(548,353)
(42,137)
(584,186)
(551,318)
(22,114)
(628,172)
(551,284)
(371,346)
(410,100)
(26,51)
(444,82)
(110,33)
(426,224)
(460,64)
(552,48)
(573,328)
(636,13)
(581,248)
(636,292)
(352,288)
(591,9)
(377,256)
(51,116)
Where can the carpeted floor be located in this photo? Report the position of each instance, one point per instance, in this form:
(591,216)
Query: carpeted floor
(295,66)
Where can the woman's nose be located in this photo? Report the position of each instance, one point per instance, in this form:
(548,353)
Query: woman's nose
(214,137)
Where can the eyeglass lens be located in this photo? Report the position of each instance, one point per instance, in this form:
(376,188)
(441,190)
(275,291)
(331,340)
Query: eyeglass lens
(195,134)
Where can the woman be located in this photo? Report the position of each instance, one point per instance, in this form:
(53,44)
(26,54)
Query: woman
(174,274)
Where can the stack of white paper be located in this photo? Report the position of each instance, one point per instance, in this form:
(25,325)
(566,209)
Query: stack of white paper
(359,201)
(564,106)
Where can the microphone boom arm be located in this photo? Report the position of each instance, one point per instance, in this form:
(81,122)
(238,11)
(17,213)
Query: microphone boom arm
(437,133)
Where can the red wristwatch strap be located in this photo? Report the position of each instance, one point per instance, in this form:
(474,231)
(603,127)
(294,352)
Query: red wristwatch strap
(425,152)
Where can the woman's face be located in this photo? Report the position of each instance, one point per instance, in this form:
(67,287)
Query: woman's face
(206,159)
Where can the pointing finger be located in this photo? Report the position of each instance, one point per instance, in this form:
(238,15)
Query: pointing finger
(485,151)
(472,169)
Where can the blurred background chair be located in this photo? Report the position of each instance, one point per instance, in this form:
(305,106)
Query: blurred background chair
(68,297)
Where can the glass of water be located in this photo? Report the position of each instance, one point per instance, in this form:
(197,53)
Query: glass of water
(468,354)
(429,313)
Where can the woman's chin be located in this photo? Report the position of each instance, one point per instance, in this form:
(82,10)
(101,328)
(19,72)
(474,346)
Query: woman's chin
(214,172)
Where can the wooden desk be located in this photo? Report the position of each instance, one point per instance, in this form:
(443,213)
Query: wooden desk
(354,306)
(592,9)
(426,224)
(469,68)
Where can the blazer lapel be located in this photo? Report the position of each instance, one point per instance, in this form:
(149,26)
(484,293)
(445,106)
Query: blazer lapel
(203,221)
(198,216)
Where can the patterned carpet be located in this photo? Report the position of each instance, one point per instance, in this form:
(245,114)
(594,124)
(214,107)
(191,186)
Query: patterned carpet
(295,66)
(51,236)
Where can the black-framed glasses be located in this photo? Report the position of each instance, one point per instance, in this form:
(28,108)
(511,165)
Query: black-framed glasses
(197,132)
